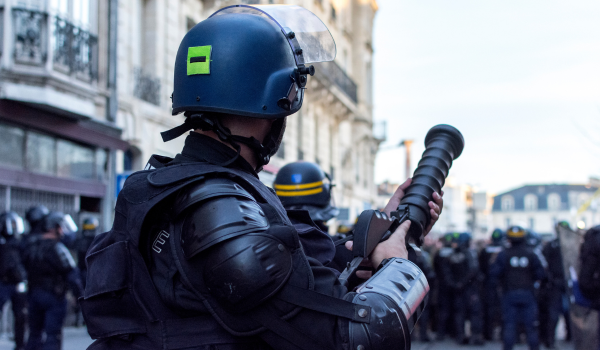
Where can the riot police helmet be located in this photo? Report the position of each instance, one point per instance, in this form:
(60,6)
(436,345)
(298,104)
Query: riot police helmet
(247,61)
(498,236)
(532,238)
(35,216)
(447,239)
(563,224)
(516,234)
(464,240)
(11,224)
(304,185)
(57,219)
(90,227)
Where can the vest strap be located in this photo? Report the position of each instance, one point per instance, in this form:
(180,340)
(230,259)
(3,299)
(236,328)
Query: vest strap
(285,330)
(316,301)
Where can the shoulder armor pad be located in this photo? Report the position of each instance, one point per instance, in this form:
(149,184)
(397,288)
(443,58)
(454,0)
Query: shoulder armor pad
(64,257)
(221,210)
(210,188)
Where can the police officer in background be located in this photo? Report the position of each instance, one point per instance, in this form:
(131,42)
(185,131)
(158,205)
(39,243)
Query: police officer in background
(423,260)
(490,296)
(304,186)
(89,230)
(13,278)
(203,255)
(444,295)
(460,274)
(553,290)
(35,218)
(589,272)
(51,270)
(518,269)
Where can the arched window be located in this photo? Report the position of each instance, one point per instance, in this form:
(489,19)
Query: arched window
(582,199)
(531,202)
(554,202)
(508,203)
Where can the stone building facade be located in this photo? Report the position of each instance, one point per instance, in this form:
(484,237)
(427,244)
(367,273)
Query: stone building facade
(540,207)
(57,116)
(334,127)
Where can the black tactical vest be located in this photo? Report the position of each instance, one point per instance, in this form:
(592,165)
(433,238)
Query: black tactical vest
(519,268)
(121,306)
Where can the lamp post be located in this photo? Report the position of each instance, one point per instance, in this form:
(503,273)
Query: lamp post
(407,145)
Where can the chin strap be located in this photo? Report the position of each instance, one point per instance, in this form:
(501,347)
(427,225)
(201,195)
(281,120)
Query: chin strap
(208,123)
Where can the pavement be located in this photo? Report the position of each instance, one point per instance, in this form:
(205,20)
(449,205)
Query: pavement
(73,339)
(496,345)
(78,339)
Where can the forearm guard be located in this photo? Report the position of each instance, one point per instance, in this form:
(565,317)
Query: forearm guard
(397,295)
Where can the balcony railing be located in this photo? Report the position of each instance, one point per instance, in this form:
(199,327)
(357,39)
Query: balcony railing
(147,87)
(336,75)
(30,28)
(74,50)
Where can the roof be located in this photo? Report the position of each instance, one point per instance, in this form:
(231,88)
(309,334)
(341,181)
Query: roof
(542,191)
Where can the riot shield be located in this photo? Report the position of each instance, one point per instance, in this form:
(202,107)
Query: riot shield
(584,321)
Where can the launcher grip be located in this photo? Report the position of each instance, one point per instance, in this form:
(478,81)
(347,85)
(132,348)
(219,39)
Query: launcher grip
(370,228)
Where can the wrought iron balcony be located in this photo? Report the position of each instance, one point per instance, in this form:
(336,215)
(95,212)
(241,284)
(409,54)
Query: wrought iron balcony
(74,50)
(147,87)
(336,75)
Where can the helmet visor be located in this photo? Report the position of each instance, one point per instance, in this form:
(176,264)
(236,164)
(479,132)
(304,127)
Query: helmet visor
(311,36)
(14,225)
(68,225)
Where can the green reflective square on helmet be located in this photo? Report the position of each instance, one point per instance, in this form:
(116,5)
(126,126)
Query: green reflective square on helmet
(198,60)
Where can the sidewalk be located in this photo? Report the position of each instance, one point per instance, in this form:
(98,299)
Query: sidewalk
(74,339)
(78,339)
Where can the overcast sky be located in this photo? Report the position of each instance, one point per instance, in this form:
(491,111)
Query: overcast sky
(520,80)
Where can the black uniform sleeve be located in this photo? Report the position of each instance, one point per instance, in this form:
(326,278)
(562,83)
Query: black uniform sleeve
(249,269)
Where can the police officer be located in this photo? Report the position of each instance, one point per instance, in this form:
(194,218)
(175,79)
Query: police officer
(554,290)
(518,268)
(589,273)
(423,260)
(89,230)
(51,270)
(444,297)
(490,296)
(13,278)
(203,255)
(35,217)
(305,186)
(460,274)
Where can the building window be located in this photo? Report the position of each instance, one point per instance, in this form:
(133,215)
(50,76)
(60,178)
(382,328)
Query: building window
(531,224)
(582,198)
(11,152)
(554,201)
(507,222)
(531,202)
(333,14)
(508,203)
(44,154)
(74,160)
(41,153)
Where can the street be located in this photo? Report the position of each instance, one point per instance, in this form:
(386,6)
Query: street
(78,339)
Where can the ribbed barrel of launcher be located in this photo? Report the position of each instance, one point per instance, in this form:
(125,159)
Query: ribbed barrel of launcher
(443,144)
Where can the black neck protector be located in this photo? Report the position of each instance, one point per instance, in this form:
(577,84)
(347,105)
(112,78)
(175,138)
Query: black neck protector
(212,123)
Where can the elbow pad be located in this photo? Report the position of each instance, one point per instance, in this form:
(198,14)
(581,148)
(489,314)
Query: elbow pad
(397,295)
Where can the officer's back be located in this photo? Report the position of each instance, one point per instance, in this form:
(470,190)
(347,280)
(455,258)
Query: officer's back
(518,268)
